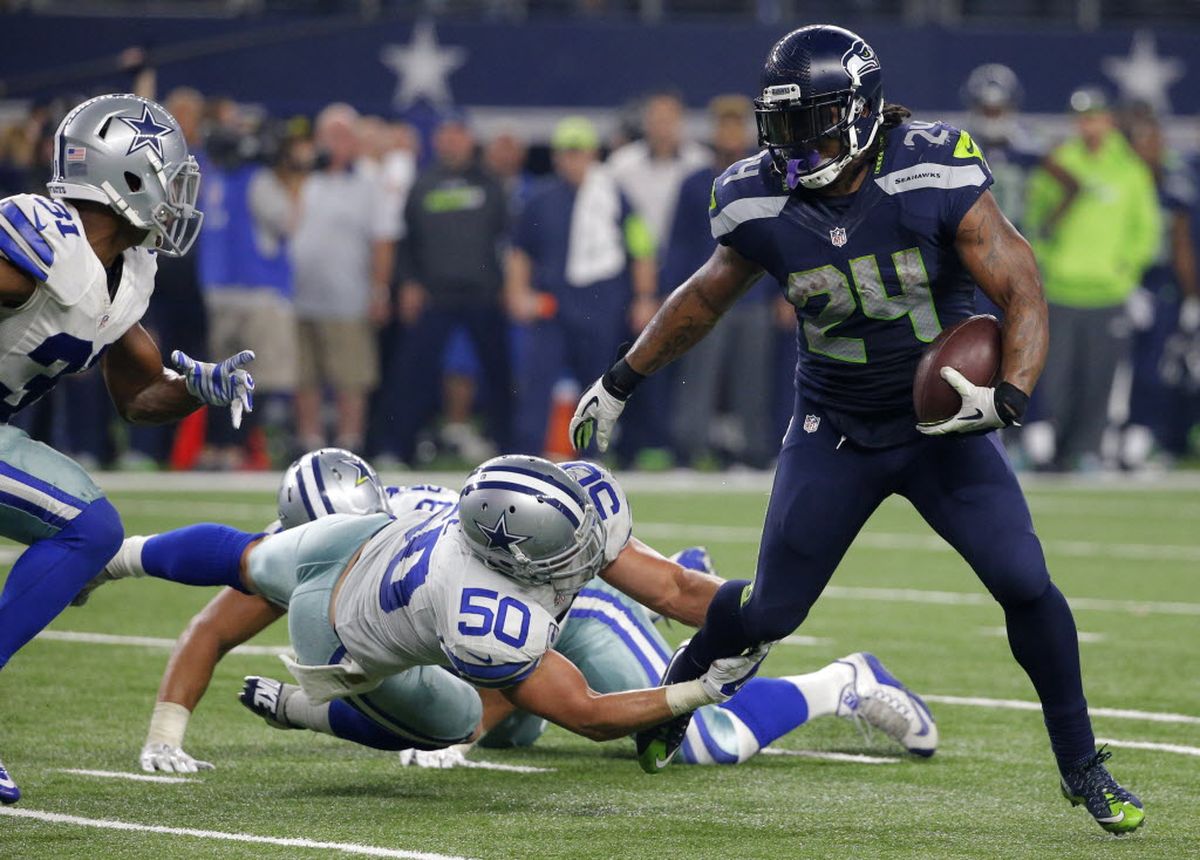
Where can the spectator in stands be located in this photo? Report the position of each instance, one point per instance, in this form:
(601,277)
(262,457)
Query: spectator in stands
(1167,307)
(578,248)
(450,278)
(732,366)
(504,157)
(1094,220)
(342,255)
(650,172)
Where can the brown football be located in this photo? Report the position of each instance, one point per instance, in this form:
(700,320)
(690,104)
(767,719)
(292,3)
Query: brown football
(972,347)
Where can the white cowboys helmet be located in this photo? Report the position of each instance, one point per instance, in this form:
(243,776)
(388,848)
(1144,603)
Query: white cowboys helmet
(329,481)
(530,520)
(128,153)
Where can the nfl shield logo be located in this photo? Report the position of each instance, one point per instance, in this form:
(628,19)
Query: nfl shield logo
(838,236)
(811,423)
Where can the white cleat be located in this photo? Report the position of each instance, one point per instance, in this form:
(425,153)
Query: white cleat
(877,698)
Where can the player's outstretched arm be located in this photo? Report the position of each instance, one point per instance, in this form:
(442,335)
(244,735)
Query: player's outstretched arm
(144,391)
(684,318)
(227,621)
(558,692)
(662,585)
(1002,263)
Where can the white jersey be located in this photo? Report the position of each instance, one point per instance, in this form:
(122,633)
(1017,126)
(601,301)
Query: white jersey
(419,596)
(70,320)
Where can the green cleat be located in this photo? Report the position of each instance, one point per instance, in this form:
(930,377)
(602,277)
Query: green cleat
(1114,808)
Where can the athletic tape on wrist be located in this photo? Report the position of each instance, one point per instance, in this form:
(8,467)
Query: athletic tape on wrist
(686,697)
(168,724)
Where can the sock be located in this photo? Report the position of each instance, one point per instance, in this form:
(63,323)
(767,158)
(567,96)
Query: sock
(204,554)
(822,690)
(721,636)
(769,708)
(346,722)
(298,710)
(52,571)
(1042,636)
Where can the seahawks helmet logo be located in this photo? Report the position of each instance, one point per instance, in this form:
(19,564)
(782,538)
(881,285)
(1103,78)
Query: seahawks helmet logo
(859,60)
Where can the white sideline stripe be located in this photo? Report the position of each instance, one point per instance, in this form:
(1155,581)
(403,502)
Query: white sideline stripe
(510,768)
(966,598)
(116,774)
(110,824)
(1022,705)
(1002,633)
(927,542)
(674,481)
(148,642)
(1147,745)
(831,756)
(803,640)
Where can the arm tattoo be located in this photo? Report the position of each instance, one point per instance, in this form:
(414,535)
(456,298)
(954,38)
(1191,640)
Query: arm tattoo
(1002,263)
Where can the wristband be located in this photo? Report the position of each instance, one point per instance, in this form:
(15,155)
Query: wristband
(621,379)
(686,697)
(168,724)
(1011,403)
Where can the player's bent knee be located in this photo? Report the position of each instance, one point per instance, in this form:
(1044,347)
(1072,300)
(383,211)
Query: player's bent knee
(770,624)
(99,526)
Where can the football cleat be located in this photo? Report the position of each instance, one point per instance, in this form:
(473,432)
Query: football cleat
(266,698)
(878,699)
(126,563)
(657,745)
(9,793)
(1114,808)
(694,558)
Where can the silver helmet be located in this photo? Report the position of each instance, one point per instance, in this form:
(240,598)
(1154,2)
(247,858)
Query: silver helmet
(329,481)
(530,520)
(128,153)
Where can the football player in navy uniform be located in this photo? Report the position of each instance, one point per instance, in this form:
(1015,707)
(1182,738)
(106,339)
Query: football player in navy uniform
(879,227)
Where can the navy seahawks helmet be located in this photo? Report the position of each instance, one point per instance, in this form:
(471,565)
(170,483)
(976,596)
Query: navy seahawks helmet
(329,481)
(530,520)
(821,103)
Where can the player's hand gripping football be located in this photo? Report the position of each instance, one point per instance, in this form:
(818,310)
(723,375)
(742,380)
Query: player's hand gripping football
(596,415)
(727,675)
(170,759)
(223,384)
(978,413)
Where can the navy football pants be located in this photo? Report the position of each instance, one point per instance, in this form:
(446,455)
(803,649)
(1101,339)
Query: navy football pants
(966,490)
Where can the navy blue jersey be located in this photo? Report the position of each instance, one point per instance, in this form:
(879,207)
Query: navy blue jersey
(874,275)
(1176,194)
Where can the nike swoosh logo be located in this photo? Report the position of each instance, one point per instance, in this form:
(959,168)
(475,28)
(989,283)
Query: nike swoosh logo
(487,661)
(1114,820)
(978,414)
(37,221)
(661,763)
(8,783)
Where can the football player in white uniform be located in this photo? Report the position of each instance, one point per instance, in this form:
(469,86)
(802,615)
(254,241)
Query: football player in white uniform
(76,273)
(608,635)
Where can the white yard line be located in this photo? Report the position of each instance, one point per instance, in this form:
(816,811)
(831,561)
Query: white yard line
(805,641)
(1002,633)
(117,774)
(1147,745)
(1022,705)
(111,824)
(831,756)
(510,768)
(148,642)
(967,598)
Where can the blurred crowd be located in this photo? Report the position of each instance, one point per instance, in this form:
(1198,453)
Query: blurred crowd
(426,295)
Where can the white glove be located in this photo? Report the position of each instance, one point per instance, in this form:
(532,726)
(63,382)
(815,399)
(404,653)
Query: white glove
(978,412)
(436,759)
(223,384)
(727,675)
(597,413)
(1139,307)
(170,759)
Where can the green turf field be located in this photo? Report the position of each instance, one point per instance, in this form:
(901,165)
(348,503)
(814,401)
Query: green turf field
(1128,557)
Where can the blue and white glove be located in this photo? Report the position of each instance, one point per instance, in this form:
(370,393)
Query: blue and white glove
(223,384)
(983,408)
(727,675)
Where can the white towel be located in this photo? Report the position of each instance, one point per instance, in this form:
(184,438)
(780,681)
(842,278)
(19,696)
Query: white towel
(596,246)
(325,683)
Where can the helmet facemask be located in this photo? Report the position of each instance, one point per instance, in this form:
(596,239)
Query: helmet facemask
(813,140)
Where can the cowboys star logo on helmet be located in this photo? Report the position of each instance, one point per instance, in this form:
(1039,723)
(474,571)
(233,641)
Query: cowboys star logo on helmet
(147,132)
(499,536)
